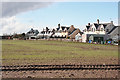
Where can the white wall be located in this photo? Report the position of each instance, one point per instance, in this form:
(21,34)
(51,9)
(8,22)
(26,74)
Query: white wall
(96,32)
(84,37)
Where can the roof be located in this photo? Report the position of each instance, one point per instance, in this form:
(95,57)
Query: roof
(63,28)
(32,32)
(73,31)
(97,25)
(114,28)
(87,27)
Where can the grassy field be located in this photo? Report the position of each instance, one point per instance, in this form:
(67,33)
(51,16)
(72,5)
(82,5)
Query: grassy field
(16,52)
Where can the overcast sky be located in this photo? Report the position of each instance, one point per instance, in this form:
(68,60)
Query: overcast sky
(19,17)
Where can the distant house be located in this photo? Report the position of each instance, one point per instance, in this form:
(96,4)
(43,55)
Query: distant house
(45,34)
(19,36)
(66,32)
(99,32)
(60,32)
(6,37)
(32,34)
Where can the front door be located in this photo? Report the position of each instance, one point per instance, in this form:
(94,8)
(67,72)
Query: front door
(98,39)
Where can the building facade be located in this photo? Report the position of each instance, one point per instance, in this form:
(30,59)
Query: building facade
(32,34)
(66,32)
(98,32)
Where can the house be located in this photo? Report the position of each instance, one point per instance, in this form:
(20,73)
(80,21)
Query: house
(32,34)
(98,32)
(60,32)
(78,37)
(6,37)
(66,32)
(114,34)
(46,33)
(19,36)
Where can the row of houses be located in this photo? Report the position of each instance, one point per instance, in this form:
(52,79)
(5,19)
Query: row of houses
(59,32)
(96,32)
(93,33)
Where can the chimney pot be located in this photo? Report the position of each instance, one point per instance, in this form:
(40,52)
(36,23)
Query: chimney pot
(111,22)
(72,25)
(58,25)
(88,24)
(98,21)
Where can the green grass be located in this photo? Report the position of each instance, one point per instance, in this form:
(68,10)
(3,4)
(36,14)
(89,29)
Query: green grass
(19,51)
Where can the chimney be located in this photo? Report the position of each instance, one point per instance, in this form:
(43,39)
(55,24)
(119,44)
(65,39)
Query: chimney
(98,21)
(111,22)
(72,25)
(58,25)
(88,24)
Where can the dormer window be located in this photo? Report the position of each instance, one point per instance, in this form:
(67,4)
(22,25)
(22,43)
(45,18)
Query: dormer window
(101,29)
(92,29)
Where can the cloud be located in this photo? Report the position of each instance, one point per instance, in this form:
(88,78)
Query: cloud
(10,25)
(12,8)
(8,22)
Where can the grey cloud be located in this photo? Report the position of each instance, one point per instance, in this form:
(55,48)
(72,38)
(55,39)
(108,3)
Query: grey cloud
(8,22)
(12,8)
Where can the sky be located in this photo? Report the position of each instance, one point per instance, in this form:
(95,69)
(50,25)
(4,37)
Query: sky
(20,17)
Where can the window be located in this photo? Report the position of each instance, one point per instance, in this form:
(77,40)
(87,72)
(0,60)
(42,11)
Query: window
(107,30)
(92,29)
(101,29)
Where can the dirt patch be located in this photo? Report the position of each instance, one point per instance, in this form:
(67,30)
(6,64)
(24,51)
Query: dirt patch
(56,61)
(62,74)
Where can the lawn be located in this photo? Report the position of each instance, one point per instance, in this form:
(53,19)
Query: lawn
(20,52)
